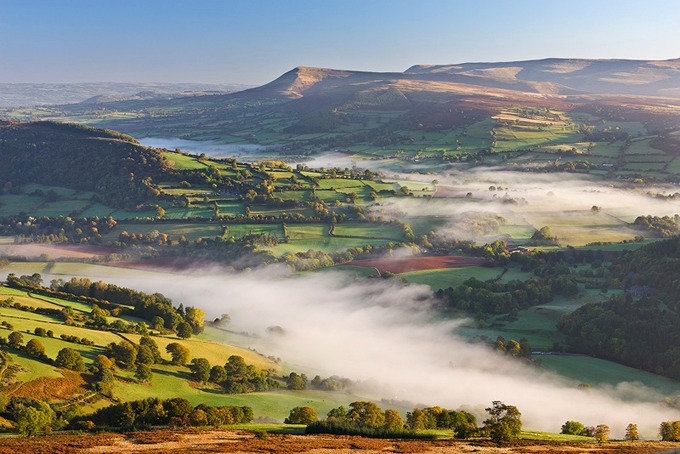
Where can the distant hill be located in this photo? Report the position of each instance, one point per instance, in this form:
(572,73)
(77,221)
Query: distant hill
(548,76)
(385,109)
(567,76)
(40,94)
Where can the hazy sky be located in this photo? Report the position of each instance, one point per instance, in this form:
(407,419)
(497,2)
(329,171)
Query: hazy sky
(252,42)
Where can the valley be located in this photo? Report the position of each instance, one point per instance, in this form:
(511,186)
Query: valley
(386,234)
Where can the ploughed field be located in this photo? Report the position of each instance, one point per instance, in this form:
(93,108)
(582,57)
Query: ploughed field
(399,265)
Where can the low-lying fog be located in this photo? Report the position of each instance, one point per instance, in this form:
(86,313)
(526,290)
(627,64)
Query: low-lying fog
(211,148)
(382,332)
(561,201)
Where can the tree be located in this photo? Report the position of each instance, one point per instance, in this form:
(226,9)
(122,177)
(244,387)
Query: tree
(572,428)
(33,418)
(302,415)
(70,359)
(602,433)
(35,348)
(236,366)
(632,432)
(200,369)
(297,382)
(217,374)
(143,373)
(158,323)
(393,421)
(670,431)
(102,362)
(416,419)
(544,237)
(146,341)
(184,330)
(104,382)
(179,353)
(198,418)
(15,340)
(194,317)
(177,407)
(366,414)
(145,355)
(124,353)
(504,423)
(338,413)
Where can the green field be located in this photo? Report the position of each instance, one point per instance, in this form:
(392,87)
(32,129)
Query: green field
(549,436)
(174,230)
(239,230)
(182,162)
(369,231)
(450,277)
(594,371)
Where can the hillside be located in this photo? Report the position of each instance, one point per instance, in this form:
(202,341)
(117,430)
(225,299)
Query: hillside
(110,164)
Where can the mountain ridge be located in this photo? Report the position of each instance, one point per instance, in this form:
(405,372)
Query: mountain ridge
(553,76)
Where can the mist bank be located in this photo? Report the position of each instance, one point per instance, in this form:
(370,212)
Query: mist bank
(564,202)
(387,335)
(211,148)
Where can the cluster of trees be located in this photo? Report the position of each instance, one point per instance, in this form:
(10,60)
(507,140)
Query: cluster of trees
(144,414)
(361,418)
(29,415)
(521,349)
(156,308)
(58,229)
(153,238)
(670,431)
(461,422)
(332,383)
(67,358)
(643,333)
(368,419)
(600,432)
(111,300)
(495,297)
(235,377)
(66,314)
(665,226)
(544,237)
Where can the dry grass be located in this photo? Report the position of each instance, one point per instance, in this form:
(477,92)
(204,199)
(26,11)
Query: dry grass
(71,384)
(240,441)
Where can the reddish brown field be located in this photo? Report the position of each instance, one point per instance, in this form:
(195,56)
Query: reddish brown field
(398,265)
(72,384)
(239,441)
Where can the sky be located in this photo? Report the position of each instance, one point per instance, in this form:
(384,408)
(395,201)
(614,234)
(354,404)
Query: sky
(254,41)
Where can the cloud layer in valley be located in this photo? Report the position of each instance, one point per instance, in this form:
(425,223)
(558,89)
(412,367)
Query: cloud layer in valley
(386,333)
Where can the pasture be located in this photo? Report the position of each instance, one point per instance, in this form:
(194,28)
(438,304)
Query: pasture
(182,162)
(450,277)
(596,372)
